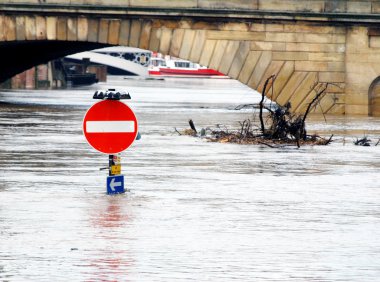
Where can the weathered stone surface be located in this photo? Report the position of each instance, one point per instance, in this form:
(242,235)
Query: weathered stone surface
(359,7)
(176,43)
(239,59)
(334,77)
(260,68)
(169,24)
(217,56)
(103,31)
(72,31)
(113,32)
(376,7)
(291,56)
(315,47)
(235,35)
(282,78)
(187,44)
(336,6)
(164,3)
(374,100)
(249,66)
(294,82)
(357,98)
(98,2)
(241,4)
(320,66)
(325,105)
(268,46)
(235,26)
(88,2)
(304,90)
(166,35)
(10,28)
(2,28)
(273,69)
(374,41)
(203,25)
(360,71)
(358,110)
(322,38)
(329,57)
(228,56)
(62,28)
(355,58)
(257,27)
(82,29)
(314,28)
(292,5)
(135,33)
(93,29)
(336,88)
(284,37)
(208,49)
(30,24)
(357,40)
(41,28)
(20,28)
(337,109)
(274,27)
(155,37)
(189,24)
(199,41)
(145,34)
(124,32)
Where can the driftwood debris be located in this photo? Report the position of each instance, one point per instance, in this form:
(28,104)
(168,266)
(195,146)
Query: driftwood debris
(365,141)
(279,127)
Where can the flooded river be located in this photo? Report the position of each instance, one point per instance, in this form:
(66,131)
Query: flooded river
(196,211)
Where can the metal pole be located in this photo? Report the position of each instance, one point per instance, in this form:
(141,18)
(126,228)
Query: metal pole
(110,164)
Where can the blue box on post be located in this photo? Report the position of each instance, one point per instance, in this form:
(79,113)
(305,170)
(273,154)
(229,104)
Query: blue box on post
(115,184)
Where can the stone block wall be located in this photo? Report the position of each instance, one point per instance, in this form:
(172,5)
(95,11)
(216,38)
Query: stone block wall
(299,53)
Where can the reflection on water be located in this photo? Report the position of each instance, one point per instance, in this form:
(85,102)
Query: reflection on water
(197,211)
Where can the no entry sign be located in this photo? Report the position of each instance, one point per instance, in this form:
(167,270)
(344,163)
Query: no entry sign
(110,126)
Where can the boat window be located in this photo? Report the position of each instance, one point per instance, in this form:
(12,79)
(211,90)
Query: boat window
(158,63)
(182,64)
(114,54)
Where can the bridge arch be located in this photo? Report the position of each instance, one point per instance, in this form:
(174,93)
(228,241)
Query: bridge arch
(249,50)
(374,98)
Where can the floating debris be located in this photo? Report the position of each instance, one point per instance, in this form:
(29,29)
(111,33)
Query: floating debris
(365,142)
(281,128)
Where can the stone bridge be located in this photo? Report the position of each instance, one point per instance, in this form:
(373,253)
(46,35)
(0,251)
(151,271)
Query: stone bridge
(302,42)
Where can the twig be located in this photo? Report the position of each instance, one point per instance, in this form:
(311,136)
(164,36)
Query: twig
(269,145)
(319,94)
(262,102)
(329,140)
(192,126)
(177,131)
(240,107)
(312,102)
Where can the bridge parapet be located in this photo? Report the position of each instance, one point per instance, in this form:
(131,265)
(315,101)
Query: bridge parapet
(242,8)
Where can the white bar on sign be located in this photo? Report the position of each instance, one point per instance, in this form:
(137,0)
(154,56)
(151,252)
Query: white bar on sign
(114,126)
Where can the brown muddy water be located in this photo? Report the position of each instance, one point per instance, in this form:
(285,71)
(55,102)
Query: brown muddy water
(196,211)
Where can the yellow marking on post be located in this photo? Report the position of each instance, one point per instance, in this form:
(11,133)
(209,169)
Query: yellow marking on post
(116,169)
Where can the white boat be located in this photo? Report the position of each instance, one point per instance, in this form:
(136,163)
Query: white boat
(170,66)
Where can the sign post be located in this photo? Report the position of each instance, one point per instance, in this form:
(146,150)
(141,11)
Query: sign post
(110,127)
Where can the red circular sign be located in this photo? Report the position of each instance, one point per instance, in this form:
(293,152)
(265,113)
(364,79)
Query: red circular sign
(110,126)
